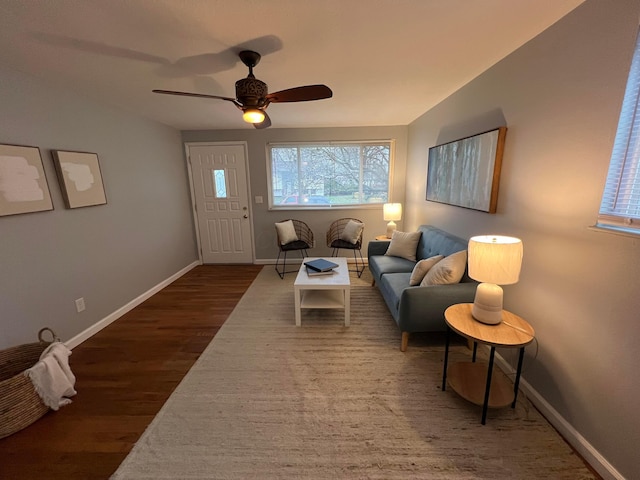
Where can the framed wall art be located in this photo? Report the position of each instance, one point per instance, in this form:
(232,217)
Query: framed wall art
(466,172)
(23,184)
(80,178)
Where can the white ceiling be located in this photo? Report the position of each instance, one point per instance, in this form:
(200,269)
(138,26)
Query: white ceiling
(387,61)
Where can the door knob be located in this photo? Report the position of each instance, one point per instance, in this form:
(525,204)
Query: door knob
(245,216)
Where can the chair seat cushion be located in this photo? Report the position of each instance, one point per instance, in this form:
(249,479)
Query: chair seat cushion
(295,245)
(345,244)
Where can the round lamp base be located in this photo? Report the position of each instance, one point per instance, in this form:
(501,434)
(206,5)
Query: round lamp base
(391,227)
(487,305)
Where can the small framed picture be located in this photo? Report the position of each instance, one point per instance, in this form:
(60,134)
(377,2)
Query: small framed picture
(80,178)
(23,184)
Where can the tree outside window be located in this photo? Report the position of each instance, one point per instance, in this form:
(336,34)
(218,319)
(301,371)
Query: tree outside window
(326,175)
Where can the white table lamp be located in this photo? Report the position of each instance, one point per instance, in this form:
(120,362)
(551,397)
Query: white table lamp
(392,212)
(493,260)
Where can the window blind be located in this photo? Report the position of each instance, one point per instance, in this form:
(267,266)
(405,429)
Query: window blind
(620,206)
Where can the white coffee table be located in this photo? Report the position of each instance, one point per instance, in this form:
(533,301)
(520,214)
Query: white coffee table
(323,291)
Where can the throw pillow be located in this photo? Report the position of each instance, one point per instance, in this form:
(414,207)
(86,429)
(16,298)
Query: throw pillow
(421,269)
(286,232)
(404,245)
(352,231)
(447,271)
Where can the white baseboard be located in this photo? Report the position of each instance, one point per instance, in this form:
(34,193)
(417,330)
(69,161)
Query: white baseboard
(266,261)
(571,435)
(96,327)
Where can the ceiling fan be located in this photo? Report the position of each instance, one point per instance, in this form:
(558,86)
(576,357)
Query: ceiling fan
(252,95)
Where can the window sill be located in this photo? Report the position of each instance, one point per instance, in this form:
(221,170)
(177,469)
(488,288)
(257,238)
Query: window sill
(614,231)
(371,206)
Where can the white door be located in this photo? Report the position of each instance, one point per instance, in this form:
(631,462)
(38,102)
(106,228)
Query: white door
(219,181)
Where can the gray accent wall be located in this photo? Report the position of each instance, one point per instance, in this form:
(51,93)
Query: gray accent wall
(263,219)
(560,97)
(108,254)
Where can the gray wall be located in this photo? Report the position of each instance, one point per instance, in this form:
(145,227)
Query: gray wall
(318,220)
(560,97)
(108,254)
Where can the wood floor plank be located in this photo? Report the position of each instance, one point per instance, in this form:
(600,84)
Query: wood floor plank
(125,373)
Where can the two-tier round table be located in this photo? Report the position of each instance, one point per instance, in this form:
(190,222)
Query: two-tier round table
(468,378)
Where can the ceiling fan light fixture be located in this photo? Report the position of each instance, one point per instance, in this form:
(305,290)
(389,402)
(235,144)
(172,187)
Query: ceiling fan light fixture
(253,115)
(253,97)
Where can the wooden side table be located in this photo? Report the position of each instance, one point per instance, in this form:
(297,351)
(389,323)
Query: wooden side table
(466,378)
(382,237)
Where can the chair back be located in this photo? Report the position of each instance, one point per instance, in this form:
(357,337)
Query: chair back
(303,232)
(337,227)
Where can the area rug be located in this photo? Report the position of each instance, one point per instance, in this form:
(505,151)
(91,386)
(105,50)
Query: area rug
(269,400)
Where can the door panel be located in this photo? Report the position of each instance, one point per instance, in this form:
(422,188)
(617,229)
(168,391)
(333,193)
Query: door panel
(219,176)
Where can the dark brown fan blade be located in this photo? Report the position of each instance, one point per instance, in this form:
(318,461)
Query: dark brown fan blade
(199,95)
(266,123)
(300,94)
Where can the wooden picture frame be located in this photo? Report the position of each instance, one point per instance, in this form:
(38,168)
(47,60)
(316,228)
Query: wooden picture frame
(80,178)
(23,183)
(466,172)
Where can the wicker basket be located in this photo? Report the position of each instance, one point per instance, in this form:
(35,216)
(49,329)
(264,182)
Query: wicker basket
(20,405)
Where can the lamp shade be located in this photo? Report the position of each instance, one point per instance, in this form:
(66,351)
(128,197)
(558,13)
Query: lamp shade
(392,211)
(495,259)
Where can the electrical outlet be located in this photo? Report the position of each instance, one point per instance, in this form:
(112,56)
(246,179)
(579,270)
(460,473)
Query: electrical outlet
(80,304)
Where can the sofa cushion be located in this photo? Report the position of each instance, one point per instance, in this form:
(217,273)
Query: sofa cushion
(447,271)
(422,267)
(438,242)
(391,286)
(404,245)
(383,264)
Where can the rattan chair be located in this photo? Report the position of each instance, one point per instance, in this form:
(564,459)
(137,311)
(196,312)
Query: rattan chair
(335,242)
(305,241)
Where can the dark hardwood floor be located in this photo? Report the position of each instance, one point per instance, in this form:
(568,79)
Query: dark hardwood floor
(124,374)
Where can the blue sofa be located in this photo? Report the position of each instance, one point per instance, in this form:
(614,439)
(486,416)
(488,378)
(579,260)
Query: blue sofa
(418,309)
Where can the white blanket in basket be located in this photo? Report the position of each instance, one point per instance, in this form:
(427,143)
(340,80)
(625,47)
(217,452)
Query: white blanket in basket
(52,377)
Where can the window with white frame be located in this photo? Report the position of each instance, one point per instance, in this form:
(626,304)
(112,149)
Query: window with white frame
(325,175)
(620,206)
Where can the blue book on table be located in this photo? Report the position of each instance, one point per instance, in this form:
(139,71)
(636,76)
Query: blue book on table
(321,265)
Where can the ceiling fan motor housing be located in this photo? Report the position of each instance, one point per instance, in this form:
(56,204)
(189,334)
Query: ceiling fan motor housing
(251,91)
